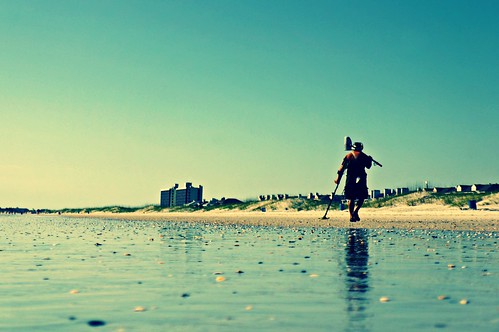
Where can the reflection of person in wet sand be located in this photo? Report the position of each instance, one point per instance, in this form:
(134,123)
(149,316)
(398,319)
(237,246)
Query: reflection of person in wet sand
(357,277)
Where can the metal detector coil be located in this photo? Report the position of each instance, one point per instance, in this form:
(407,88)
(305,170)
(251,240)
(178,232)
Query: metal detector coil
(348,143)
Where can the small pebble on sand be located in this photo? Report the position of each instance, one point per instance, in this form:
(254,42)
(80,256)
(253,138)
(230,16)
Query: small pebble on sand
(313,275)
(384,299)
(249,308)
(139,309)
(442,297)
(96,323)
(451,266)
(464,301)
(220,278)
(74,291)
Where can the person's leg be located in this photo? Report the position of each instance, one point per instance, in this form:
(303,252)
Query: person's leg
(357,208)
(351,206)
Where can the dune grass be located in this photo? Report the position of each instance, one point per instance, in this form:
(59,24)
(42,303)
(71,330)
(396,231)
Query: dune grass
(301,204)
(414,199)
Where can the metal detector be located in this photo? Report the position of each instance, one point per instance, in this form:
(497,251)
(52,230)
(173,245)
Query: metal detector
(331,201)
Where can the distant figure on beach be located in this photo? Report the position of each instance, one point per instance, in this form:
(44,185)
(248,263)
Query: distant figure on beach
(355,163)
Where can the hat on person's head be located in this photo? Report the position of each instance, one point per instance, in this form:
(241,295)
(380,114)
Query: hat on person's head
(358,146)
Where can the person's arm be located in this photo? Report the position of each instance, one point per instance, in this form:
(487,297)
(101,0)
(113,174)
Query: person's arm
(342,168)
(340,174)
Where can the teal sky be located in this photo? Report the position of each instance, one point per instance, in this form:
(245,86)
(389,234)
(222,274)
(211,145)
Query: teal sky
(108,102)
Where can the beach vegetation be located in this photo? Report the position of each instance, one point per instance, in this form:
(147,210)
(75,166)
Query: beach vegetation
(109,209)
(456,199)
(308,204)
(232,205)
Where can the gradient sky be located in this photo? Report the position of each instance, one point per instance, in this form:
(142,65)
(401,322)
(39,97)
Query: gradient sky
(108,102)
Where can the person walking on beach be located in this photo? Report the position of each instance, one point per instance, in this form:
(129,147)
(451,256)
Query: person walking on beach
(355,163)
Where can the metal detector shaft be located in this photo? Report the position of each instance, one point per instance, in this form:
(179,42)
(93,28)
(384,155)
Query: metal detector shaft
(331,201)
(375,162)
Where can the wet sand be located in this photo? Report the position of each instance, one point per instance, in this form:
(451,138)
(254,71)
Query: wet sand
(82,274)
(425,217)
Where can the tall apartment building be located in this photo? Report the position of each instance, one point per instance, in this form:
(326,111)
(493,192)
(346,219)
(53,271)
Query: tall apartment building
(178,197)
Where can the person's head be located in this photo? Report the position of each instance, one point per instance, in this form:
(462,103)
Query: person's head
(358,146)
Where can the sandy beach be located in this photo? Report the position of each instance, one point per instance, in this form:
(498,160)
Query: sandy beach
(155,272)
(428,216)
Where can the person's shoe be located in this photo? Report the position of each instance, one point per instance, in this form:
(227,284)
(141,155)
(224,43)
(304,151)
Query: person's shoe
(356,217)
(353,219)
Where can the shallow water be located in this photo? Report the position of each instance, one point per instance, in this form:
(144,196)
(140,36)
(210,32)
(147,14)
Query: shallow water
(63,274)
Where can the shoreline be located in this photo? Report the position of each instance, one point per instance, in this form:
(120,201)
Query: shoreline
(424,217)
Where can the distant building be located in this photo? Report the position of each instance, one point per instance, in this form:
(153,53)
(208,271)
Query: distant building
(228,201)
(179,197)
(323,198)
(485,188)
(402,191)
(376,194)
(444,190)
(463,188)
